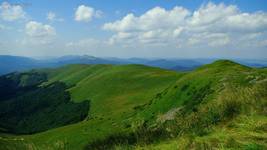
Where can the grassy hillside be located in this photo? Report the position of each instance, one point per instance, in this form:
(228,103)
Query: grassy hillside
(218,106)
(139,107)
(113,91)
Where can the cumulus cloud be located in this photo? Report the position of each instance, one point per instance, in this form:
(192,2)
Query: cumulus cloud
(211,13)
(9,12)
(227,18)
(214,39)
(39,33)
(51,16)
(156,18)
(85,13)
(213,25)
(36,29)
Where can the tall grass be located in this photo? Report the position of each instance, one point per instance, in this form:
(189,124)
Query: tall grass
(230,103)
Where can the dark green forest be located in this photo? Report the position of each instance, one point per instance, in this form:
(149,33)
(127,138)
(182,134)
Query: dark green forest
(28,107)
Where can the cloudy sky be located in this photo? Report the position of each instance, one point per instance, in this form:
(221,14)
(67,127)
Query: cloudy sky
(134,28)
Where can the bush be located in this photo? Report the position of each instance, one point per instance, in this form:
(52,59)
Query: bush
(230,108)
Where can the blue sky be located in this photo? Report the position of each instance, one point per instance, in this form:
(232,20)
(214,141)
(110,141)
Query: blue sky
(134,28)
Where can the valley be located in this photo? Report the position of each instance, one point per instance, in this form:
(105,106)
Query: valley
(219,105)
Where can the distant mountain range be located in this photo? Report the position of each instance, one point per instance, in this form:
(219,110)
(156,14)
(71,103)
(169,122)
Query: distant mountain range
(18,63)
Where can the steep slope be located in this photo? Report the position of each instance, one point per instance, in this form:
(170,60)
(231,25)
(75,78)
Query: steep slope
(203,83)
(218,106)
(27,107)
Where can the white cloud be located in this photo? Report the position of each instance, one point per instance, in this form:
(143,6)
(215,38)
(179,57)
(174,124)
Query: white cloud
(227,18)
(10,12)
(247,22)
(153,19)
(211,25)
(252,40)
(39,33)
(36,29)
(51,16)
(86,13)
(212,39)
(211,13)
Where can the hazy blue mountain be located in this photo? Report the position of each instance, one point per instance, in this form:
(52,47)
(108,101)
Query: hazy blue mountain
(174,63)
(84,59)
(10,64)
(17,63)
(259,63)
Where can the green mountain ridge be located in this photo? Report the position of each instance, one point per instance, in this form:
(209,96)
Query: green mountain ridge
(140,107)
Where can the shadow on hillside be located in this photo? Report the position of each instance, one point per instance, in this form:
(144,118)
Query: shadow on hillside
(30,107)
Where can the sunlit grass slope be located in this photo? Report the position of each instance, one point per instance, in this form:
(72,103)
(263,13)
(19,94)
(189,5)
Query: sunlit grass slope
(218,106)
(113,91)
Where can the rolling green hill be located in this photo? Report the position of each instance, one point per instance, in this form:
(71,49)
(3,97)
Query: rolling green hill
(113,92)
(220,105)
